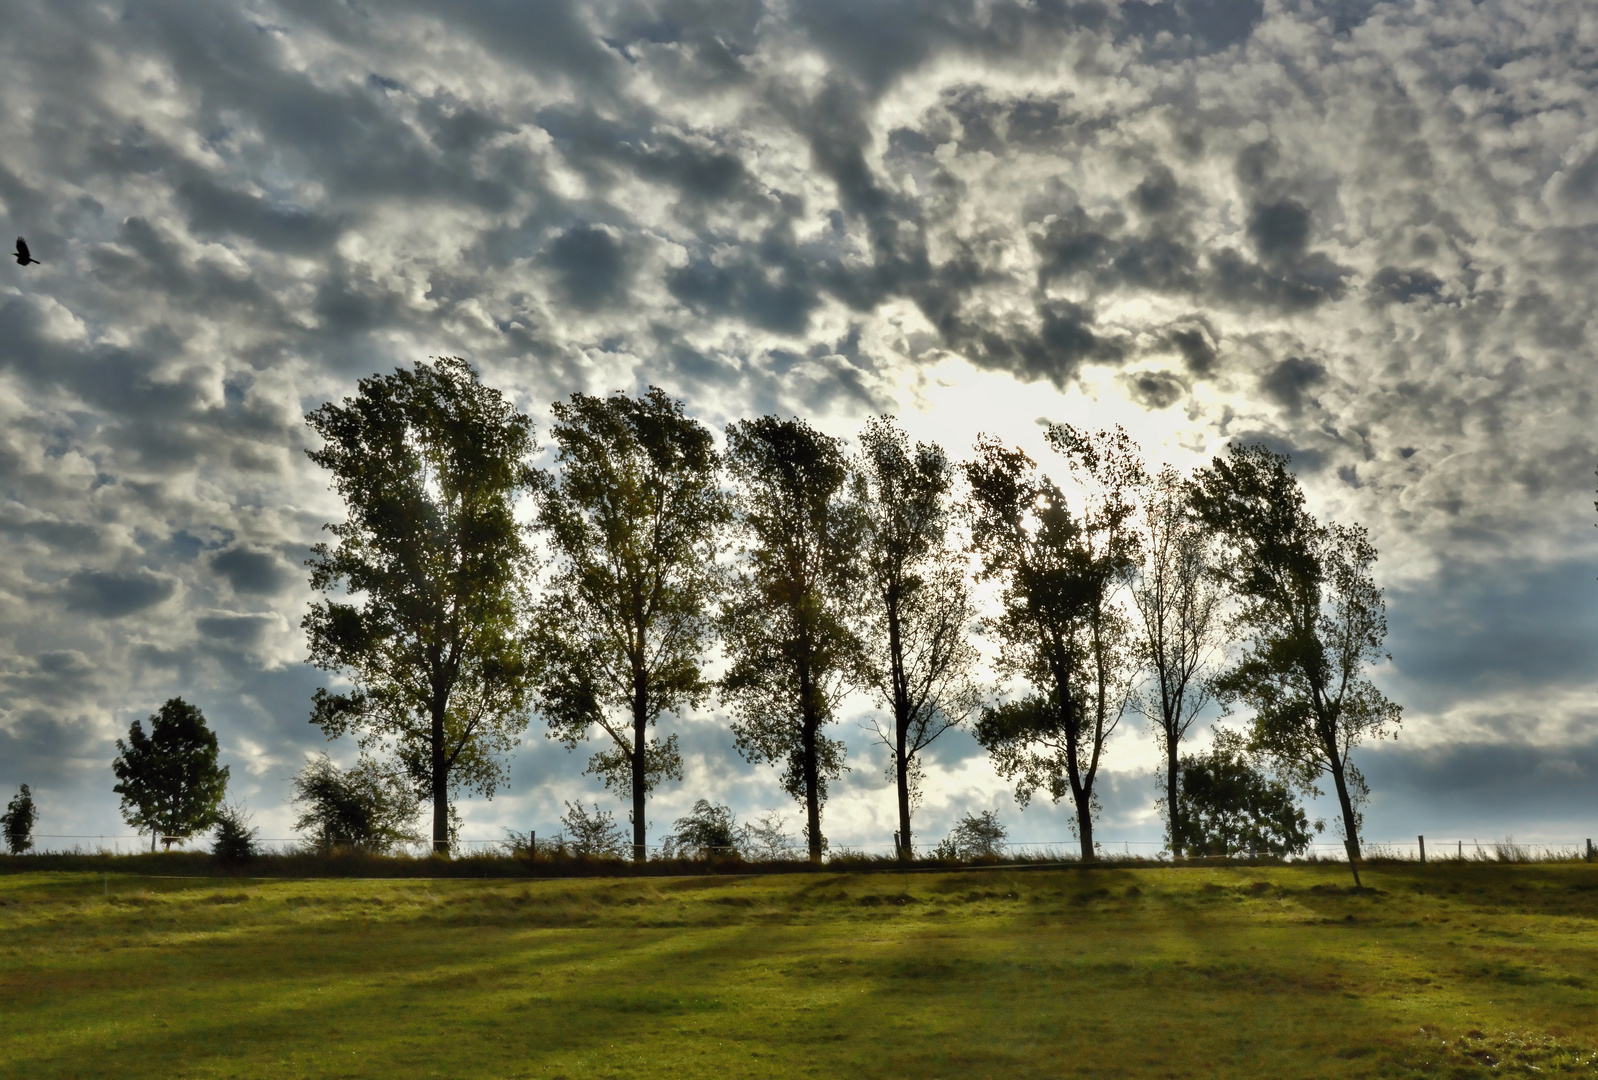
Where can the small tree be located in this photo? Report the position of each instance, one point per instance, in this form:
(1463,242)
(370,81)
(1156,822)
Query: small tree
(17,822)
(634,517)
(169,780)
(429,463)
(235,837)
(707,831)
(975,836)
(370,807)
(593,835)
(766,839)
(918,658)
(1178,596)
(1059,626)
(786,623)
(1229,807)
(1317,620)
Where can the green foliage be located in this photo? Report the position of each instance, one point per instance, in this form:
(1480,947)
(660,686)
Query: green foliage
(786,622)
(918,658)
(633,517)
(18,820)
(169,780)
(974,836)
(1058,627)
(1316,617)
(766,839)
(706,831)
(1229,807)
(368,808)
(235,837)
(1181,626)
(429,462)
(593,835)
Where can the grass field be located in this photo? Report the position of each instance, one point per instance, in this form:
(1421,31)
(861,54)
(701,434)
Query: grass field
(1439,970)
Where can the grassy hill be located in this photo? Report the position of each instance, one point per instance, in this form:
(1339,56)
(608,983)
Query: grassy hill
(1442,970)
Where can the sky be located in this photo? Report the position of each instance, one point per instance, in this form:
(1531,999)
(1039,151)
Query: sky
(1363,233)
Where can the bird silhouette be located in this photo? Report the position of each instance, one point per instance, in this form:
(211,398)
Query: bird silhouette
(23,257)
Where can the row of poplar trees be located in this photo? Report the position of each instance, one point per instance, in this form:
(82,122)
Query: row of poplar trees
(816,573)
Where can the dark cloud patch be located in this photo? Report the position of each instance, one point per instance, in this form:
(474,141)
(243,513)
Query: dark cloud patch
(1403,286)
(1154,389)
(1479,792)
(1199,345)
(1308,283)
(1280,230)
(1481,626)
(1208,25)
(1055,348)
(591,266)
(251,572)
(216,209)
(234,630)
(1289,382)
(775,297)
(1158,192)
(108,594)
(1075,245)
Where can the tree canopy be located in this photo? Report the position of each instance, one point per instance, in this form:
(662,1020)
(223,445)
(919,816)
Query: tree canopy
(786,622)
(1316,622)
(429,577)
(169,779)
(634,517)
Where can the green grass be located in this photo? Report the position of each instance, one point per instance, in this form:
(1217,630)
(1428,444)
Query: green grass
(1441,970)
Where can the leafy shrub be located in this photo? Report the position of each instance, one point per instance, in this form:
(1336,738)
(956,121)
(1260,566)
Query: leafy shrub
(17,822)
(766,839)
(975,836)
(367,807)
(1229,807)
(595,835)
(706,831)
(235,837)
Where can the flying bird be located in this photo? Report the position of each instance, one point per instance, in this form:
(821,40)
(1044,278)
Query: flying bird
(23,258)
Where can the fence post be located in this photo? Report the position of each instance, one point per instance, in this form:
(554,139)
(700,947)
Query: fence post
(532,844)
(1461,849)
(1590,850)
(1422,840)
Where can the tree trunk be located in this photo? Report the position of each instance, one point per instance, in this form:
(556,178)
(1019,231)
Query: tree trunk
(905,851)
(812,799)
(440,786)
(640,720)
(1084,823)
(1346,804)
(1173,808)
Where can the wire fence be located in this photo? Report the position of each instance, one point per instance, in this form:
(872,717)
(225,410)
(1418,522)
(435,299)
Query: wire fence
(1421,849)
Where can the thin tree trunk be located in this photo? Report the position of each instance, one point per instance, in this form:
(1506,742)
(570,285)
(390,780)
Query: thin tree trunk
(1173,808)
(640,717)
(440,786)
(1084,823)
(812,800)
(1346,804)
(905,851)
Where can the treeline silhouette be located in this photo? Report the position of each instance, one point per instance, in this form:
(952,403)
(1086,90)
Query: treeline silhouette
(816,572)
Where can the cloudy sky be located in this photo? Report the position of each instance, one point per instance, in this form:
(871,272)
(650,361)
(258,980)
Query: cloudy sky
(1363,232)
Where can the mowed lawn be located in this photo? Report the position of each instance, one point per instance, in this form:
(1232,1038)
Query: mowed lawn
(1443,970)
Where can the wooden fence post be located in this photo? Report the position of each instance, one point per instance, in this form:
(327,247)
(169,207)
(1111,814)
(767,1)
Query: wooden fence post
(1422,840)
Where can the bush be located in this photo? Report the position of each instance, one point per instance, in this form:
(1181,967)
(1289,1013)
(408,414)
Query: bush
(766,839)
(17,822)
(367,808)
(979,836)
(595,835)
(706,831)
(235,838)
(1229,807)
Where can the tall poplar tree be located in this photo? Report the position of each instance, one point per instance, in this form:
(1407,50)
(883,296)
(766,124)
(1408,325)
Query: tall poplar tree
(1181,628)
(429,577)
(1318,621)
(786,620)
(1059,626)
(917,614)
(634,517)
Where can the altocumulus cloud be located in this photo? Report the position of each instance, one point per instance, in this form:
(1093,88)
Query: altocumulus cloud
(1362,232)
